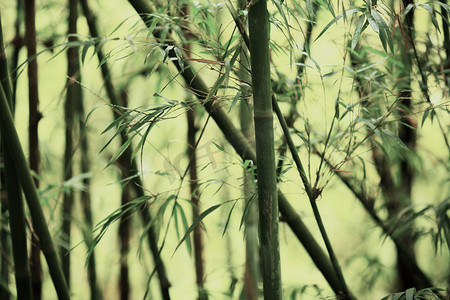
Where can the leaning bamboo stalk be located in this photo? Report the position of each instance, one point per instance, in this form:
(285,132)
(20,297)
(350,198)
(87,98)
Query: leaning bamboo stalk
(130,160)
(9,133)
(247,152)
(258,19)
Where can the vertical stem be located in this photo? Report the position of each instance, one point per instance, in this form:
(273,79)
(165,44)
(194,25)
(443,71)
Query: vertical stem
(39,223)
(33,140)
(86,197)
(125,221)
(129,160)
(193,176)
(18,43)
(72,97)
(265,153)
(252,263)
(446,33)
(14,200)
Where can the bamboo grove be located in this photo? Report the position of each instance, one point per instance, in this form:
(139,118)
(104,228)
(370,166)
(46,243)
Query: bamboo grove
(258,149)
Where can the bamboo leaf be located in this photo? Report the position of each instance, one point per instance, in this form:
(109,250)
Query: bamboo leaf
(228,218)
(350,11)
(235,99)
(431,12)
(196,222)
(409,293)
(360,25)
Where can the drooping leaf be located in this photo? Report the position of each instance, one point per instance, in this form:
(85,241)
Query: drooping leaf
(197,222)
(360,25)
(350,11)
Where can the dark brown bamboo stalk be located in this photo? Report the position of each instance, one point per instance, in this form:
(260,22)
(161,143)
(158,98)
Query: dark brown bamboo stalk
(18,43)
(14,198)
(193,176)
(33,139)
(392,195)
(9,133)
(73,96)
(125,221)
(85,196)
(130,161)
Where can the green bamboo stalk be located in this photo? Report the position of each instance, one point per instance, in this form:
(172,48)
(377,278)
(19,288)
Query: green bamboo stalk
(247,152)
(258,19)
(5,293)
(128,158)
(252,263)
(9,133)
(4,221)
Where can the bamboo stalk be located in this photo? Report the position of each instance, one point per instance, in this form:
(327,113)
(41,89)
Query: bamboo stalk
(23,173)
(14,197)
(128,158)
(258,19)
(193,176)
(125,220)
(246,151)
(33,138)
(252,263)
(86,198)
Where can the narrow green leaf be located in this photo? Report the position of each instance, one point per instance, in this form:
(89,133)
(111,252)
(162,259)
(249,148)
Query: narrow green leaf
(235,99)
(410,293)
(433,18)
(358,30)
(228,218)
(196,222)
(350,11)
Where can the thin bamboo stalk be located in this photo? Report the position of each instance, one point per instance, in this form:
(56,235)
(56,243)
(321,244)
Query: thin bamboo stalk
(130,160)
(247,152)
(33,138)
(18,43)
(125,221)
(86,198)
(9,133)
(252,263)
(193,176)
(73,95)
(14,197)
(345,293)
(4,234)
